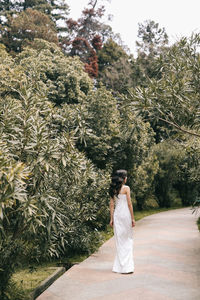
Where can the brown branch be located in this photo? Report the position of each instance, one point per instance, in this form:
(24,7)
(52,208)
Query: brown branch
(179,128)
(94,4)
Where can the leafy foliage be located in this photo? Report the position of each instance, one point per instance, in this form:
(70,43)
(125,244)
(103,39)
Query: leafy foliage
(102,119)
(22,29)
(63,77)
(50,193)
(84,39)
(144,181)
(136,138)
(151,37)
(62,134)
(174,98)
(56,10)
(115,69)
(188,184)
(170,157)
(152,41)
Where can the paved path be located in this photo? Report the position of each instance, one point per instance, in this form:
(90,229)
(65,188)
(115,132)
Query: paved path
(167,265)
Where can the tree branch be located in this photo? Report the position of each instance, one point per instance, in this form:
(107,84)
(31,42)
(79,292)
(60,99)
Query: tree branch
(179,128)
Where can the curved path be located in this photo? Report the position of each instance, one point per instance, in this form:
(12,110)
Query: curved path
(167,265)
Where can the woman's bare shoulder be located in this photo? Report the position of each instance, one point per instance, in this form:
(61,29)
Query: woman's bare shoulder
(126,188)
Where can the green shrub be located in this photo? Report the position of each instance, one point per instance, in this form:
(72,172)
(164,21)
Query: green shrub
(52,196)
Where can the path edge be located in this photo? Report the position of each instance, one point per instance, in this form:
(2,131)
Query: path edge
(46,283)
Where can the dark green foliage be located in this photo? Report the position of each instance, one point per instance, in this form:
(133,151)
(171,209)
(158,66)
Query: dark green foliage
(9,250)
(145,180)
(169,157)
(188,185)
(110,53)
(115,67)
(178,171)
(102,119)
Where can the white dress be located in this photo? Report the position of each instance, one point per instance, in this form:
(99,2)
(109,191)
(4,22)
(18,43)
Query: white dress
(123,234)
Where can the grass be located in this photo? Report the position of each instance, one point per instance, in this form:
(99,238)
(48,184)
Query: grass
(198,223)
(26,280)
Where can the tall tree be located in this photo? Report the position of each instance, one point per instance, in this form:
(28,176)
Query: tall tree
(22,30)
(115,69)
(152,41)
(85,38)
(57,11)
(151,37)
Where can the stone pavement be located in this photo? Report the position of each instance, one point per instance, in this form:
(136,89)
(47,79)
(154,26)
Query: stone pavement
(167,265)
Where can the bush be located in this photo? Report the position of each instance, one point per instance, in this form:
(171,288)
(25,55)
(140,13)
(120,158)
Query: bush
(170,156)
(52,196)
(144,187)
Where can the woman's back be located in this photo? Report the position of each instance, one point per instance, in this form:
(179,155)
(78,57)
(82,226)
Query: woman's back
(121,206)
(121,199)
(123,235)
(122,218)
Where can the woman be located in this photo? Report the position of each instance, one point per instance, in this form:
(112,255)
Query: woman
(122,218)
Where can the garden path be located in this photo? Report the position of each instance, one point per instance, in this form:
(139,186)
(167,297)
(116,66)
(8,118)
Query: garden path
(167,265)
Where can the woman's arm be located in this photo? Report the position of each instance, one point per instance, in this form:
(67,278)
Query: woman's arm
(111,211)
(130,206)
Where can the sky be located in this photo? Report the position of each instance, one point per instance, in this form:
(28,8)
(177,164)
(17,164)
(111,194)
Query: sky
(178,17)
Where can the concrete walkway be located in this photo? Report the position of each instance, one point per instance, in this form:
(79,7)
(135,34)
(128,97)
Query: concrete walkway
(167,265)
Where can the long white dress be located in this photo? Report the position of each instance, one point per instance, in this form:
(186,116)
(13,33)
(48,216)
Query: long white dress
(123,234)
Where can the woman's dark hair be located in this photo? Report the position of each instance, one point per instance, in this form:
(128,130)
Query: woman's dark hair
(121,173)
(117,181)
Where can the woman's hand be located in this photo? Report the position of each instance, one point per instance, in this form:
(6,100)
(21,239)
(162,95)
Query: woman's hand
(133,223)
(111,223)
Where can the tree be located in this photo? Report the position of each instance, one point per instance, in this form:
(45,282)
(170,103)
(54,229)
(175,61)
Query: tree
(63,77)
(84,38)
(188,184)
(117,77)
(56,10)
(173,102)
(153,40)
(144,181)
(102,119)
(170,156)
(173,99)
(134,143)
(22,30)
(115,70)
(45,21)
(110,53)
